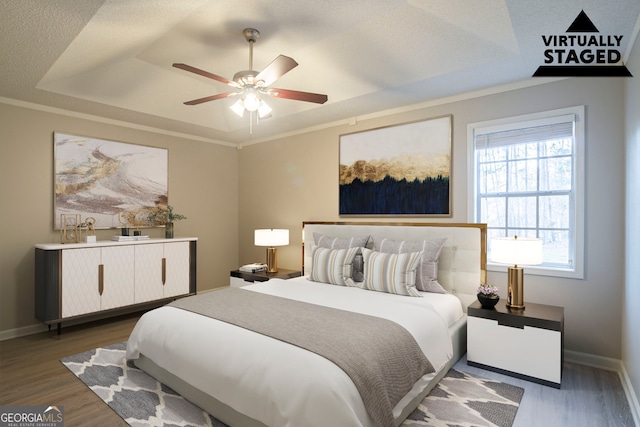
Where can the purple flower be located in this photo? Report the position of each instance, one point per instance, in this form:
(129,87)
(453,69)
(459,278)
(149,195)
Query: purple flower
(488,290)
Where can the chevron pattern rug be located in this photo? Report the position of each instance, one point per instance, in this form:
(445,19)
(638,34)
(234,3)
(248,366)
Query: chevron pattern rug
(460,399)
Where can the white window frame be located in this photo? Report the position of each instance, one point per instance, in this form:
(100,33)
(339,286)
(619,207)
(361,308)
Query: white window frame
(523,121)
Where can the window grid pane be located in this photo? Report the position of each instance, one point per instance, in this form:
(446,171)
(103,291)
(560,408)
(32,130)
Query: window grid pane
(526,190)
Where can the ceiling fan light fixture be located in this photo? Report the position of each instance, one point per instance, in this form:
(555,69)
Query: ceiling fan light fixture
(238,107)
(252,85)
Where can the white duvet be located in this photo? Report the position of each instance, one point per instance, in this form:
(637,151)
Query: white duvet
(275,382)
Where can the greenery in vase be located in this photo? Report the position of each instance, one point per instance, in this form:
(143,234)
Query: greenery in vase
(489,291)
(164,216)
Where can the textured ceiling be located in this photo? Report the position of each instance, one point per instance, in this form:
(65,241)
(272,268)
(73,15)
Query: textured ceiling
(113,58)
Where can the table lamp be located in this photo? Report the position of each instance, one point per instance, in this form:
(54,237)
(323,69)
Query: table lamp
(516,251)
(271,237)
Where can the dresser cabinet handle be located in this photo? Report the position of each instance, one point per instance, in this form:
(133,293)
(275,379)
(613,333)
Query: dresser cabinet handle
(164,271)
(100,279)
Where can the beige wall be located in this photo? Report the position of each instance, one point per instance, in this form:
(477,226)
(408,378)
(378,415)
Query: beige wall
(290,180)
(202,186)
(631,301)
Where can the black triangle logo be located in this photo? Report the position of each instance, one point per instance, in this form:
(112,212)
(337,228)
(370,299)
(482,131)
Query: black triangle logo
(582,24)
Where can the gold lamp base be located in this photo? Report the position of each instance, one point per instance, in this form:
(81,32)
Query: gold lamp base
(515,292)
(272,260)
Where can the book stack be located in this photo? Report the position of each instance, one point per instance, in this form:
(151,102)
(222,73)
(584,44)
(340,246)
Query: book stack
(253,268)
(128,238)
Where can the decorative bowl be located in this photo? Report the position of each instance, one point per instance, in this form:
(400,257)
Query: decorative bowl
(488,302)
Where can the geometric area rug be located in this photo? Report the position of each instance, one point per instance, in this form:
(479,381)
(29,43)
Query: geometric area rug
(460,399)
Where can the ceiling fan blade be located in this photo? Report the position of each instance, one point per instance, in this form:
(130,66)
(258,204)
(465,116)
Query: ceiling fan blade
(206,74)
(276,69)
(297,95)
(211,98)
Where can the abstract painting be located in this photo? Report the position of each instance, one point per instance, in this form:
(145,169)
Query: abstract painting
(102,179)
(397,170)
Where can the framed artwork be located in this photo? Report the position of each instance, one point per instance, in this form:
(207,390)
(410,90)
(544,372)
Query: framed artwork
(397,170)
(106,179)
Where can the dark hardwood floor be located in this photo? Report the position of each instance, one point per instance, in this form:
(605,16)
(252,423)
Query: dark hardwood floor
(31,374)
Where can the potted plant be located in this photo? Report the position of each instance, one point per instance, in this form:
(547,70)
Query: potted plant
(488,295)
(166,217)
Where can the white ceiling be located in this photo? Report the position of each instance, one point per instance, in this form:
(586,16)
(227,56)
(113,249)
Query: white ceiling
(112,58)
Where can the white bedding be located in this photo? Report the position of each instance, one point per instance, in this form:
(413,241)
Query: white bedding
(275,382)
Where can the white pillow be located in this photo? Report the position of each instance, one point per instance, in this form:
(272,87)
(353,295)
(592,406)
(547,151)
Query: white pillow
(334,266)
(391,273)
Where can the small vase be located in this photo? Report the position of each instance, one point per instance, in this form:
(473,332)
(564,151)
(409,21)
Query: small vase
(488,302)
(168,230)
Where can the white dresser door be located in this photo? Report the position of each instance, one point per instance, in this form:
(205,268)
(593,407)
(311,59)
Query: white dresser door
(177,269)
(80,273)
(148,272)
(118,289)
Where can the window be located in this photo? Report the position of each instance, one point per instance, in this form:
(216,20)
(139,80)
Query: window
(526,179)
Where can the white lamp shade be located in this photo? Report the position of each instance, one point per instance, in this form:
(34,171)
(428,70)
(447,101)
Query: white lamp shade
(516,250)
(238,107)
(264,111)
(271,237)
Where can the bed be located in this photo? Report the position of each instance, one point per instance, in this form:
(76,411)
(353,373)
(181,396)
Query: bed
(248,378)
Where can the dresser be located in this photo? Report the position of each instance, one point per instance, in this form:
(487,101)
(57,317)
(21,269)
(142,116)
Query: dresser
(106,277)
(527,344)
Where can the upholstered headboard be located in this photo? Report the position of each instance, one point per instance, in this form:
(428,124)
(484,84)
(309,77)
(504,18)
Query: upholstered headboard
(463,261)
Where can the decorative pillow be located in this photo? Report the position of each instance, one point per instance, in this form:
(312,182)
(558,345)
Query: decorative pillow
(325,241)
(391,273)
(332,266)
(427,277)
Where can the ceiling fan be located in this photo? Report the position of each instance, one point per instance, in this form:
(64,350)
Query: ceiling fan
(252,85)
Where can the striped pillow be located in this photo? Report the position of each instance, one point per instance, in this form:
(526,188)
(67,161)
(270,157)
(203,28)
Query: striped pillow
(427,272)
(391,273)
(325,241)
(332,266)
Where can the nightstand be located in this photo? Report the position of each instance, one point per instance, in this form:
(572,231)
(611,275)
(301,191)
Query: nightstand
(526,344)
(240,278)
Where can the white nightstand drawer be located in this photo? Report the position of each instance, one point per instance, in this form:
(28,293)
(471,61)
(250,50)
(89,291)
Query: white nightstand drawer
(238,282)
(531,351)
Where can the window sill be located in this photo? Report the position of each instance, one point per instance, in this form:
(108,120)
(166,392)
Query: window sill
(540,271)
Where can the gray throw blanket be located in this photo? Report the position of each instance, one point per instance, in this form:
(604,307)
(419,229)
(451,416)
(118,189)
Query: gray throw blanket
(381,357)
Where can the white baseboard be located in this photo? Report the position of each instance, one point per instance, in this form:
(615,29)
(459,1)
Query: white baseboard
(610,365)
(632,397)
(23,331)
(592,360)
